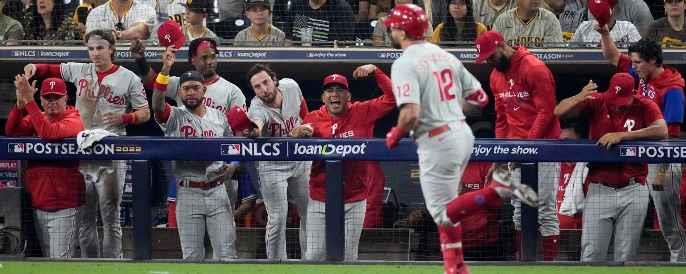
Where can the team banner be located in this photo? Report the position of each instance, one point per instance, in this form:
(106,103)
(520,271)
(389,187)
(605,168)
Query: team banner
(243,149)
(229,54)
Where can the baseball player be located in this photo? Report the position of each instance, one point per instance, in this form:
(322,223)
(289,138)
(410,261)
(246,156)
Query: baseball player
(277,108)
(341,118)
(108,97)
(524,91)
(221,94)
(202,201)
(56,188)
(430,86)
(665,86)
(617,198)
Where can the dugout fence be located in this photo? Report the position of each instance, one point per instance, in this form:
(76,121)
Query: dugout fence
(141,150)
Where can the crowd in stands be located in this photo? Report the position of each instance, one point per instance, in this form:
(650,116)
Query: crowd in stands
(533,23)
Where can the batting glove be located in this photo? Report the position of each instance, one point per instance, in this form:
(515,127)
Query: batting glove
(393,137)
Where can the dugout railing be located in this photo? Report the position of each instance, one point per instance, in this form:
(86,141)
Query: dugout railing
(140,150)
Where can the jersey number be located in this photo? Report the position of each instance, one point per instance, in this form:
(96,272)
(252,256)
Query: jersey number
(445,83)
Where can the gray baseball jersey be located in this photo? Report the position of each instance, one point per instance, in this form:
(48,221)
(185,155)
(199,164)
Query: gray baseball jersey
(183,123)
(117,91)
(485,13)
(279,122)
(434,79)
(221,94)
(543,28)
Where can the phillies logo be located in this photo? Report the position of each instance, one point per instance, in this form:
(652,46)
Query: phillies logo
(52,85)
(478,48)
(629,124)
(167,37)
(189,131)
(618,89)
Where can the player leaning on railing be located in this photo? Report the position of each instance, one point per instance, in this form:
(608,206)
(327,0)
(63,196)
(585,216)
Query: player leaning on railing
(665,86)
(202,202)
(108,97)
(617,199)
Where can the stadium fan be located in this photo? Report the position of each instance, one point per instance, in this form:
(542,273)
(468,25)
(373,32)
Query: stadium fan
(634,11)
(128,19)
(622,32)
(10,29)
(310,21)
(670,30)
(46,20)
(260,32)
(572,14)
(194,20)
(529,25)
(486,11)
(458,25)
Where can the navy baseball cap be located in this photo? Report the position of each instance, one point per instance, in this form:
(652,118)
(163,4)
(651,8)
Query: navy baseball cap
(191,75)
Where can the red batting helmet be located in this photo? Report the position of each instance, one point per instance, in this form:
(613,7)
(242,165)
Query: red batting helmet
(410,18)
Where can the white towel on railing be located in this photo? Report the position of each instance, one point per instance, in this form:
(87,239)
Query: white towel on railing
(573,201)
(87,138)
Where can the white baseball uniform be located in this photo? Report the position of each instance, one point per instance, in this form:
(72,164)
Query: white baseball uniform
(198,209)
(438,82)
(115,91)
(278,179)
(221,94)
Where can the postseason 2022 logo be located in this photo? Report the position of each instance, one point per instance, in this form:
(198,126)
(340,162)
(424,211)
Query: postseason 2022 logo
(71,149)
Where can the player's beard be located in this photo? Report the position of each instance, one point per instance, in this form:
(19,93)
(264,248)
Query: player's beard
(395,44)
(192,103)
(502,64)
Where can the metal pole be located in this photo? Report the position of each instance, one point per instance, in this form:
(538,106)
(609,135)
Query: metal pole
(529,220)
(142,228)
(335,212)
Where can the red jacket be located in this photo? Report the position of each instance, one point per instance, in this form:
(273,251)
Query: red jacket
(640,114)
(524,99)
(357,122)
(666,90)
(481,228)
(52,185)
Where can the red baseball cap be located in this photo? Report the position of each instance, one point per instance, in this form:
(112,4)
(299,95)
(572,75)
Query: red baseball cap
(336,79)
(238,120)
(621,89)
(601,10)
(170,34)
(54,86)
(486,45)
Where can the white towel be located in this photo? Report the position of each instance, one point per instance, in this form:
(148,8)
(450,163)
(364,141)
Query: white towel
(573,202)
(87,138)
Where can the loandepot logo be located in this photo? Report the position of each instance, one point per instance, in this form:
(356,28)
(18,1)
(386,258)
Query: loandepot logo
(67,149)
(330,149)
(669,152)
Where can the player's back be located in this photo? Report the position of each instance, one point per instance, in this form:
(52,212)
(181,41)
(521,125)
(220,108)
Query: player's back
(440,80)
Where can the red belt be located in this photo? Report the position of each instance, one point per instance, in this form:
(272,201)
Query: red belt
(204,185)
(438,130)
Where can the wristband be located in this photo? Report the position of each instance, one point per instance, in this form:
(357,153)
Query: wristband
(159,87)
(128,118)
(162,79)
